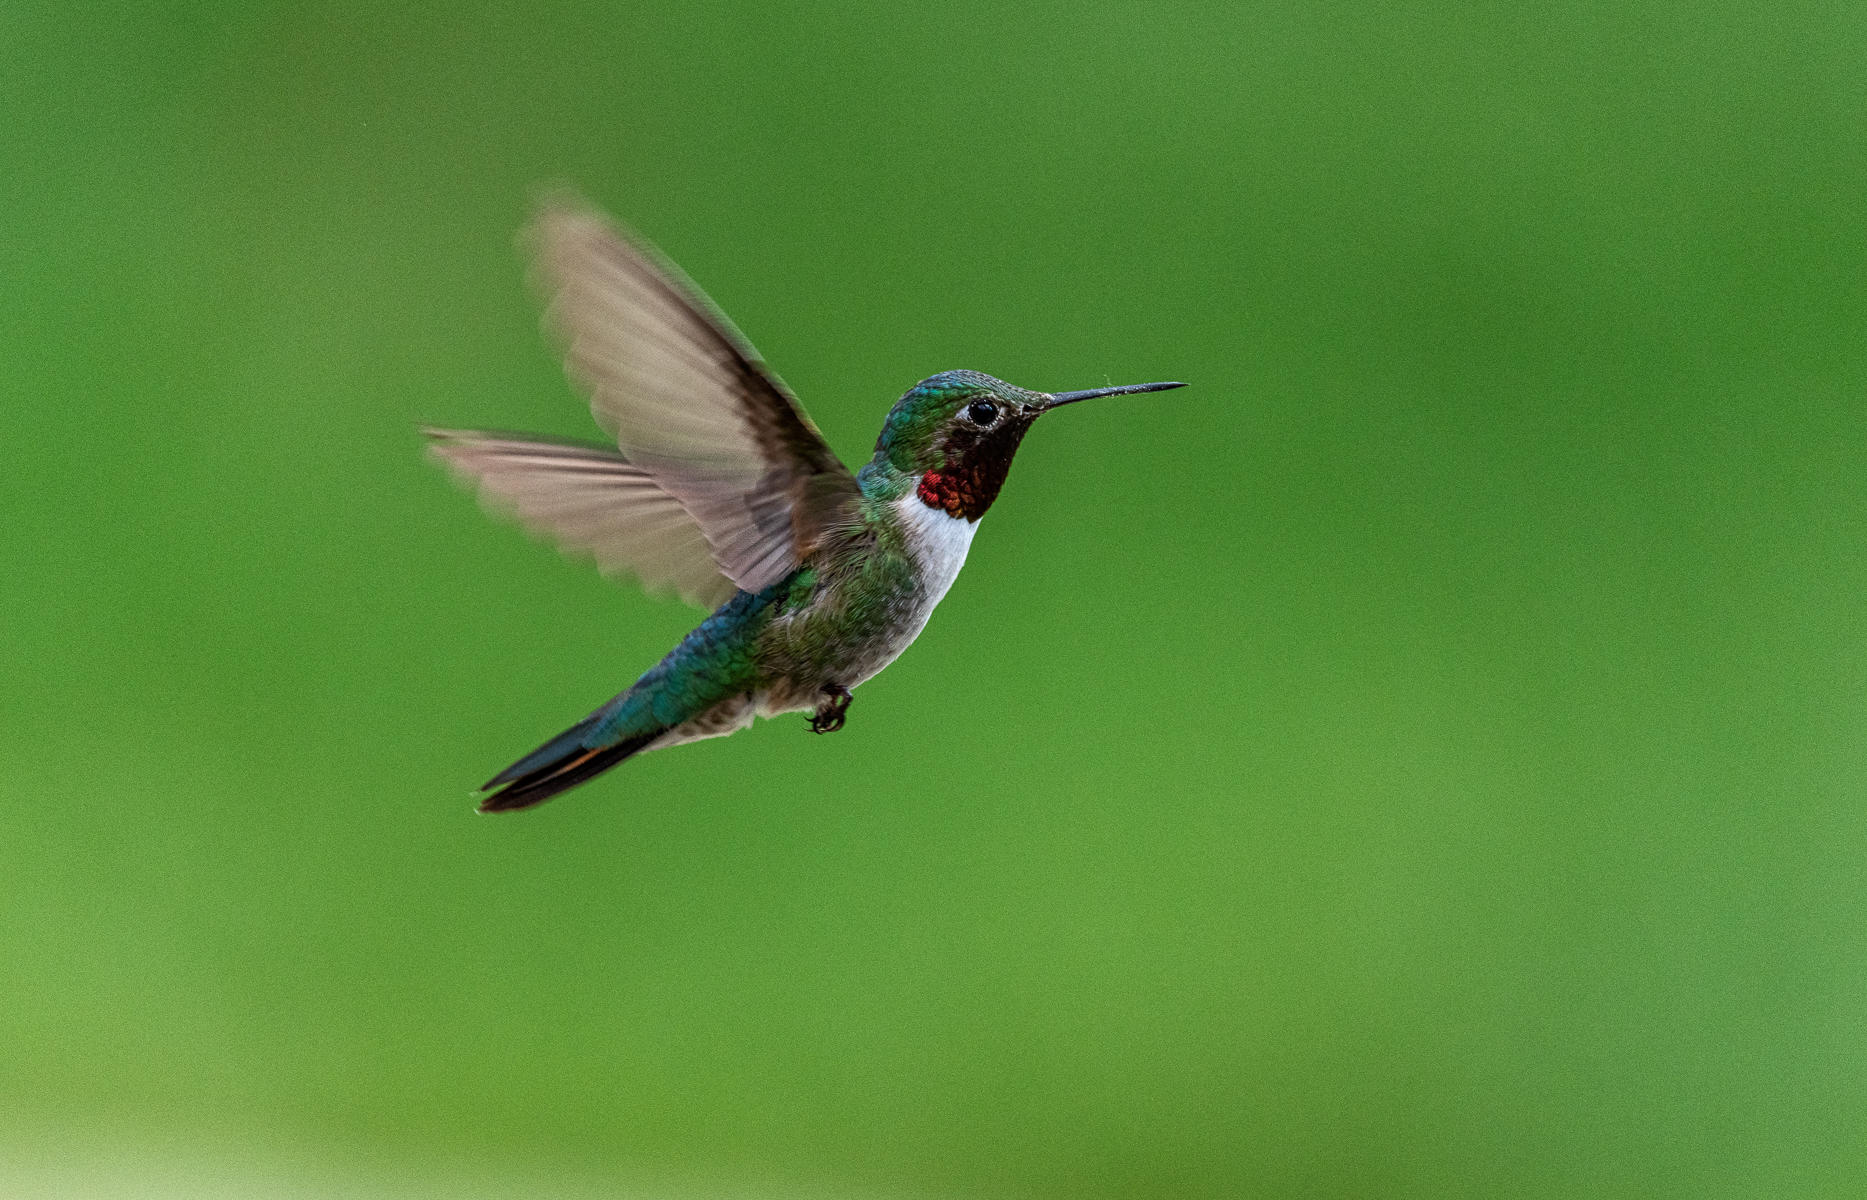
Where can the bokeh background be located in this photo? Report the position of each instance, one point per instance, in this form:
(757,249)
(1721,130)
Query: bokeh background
(1425,758)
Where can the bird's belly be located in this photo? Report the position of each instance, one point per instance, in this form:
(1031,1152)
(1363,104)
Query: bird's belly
(856,663)
(887,646)
(938,543)
(846,657)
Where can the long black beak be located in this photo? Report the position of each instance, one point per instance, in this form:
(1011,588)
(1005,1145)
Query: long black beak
(1060,398)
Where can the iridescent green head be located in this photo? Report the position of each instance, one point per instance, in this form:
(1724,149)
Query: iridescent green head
(957,432)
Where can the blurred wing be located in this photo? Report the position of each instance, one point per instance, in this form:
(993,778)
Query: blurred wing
(593,500)
(687,400)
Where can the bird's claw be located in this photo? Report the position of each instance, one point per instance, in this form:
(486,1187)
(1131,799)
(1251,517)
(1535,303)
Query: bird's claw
(829,716)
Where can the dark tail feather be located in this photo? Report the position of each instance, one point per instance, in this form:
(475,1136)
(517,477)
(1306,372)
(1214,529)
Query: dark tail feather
(557,766)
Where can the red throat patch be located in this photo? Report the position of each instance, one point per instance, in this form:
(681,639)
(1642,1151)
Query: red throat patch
(973,466)
(952,494)
(975,469)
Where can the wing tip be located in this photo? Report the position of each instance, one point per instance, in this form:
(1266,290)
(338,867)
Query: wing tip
(456,449)
(438,438)
(563,223)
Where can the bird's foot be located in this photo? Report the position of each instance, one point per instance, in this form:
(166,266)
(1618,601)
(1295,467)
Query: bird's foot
(829,716)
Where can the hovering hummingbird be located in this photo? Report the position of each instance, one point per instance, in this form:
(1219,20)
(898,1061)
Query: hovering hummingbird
(721,489)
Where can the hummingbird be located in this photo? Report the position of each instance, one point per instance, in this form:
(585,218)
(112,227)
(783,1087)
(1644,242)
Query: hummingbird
(721,489)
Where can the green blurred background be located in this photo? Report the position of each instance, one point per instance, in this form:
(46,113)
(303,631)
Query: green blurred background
(1427,757)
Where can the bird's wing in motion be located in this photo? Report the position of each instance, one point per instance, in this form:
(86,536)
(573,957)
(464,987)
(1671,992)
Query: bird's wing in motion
(687,399)
(593,500)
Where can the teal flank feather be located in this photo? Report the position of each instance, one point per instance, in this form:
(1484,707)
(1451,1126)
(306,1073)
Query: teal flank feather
(710,666)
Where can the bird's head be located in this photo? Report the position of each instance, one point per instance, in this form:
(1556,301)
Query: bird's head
(955,434)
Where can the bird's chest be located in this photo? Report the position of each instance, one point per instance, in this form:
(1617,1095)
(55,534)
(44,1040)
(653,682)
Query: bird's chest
(933,549)
(937,542)
(873,610)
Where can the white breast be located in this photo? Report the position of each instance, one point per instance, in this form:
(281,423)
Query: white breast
(939,542)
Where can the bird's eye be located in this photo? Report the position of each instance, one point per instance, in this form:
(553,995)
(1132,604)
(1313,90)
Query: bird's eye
(982,412)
